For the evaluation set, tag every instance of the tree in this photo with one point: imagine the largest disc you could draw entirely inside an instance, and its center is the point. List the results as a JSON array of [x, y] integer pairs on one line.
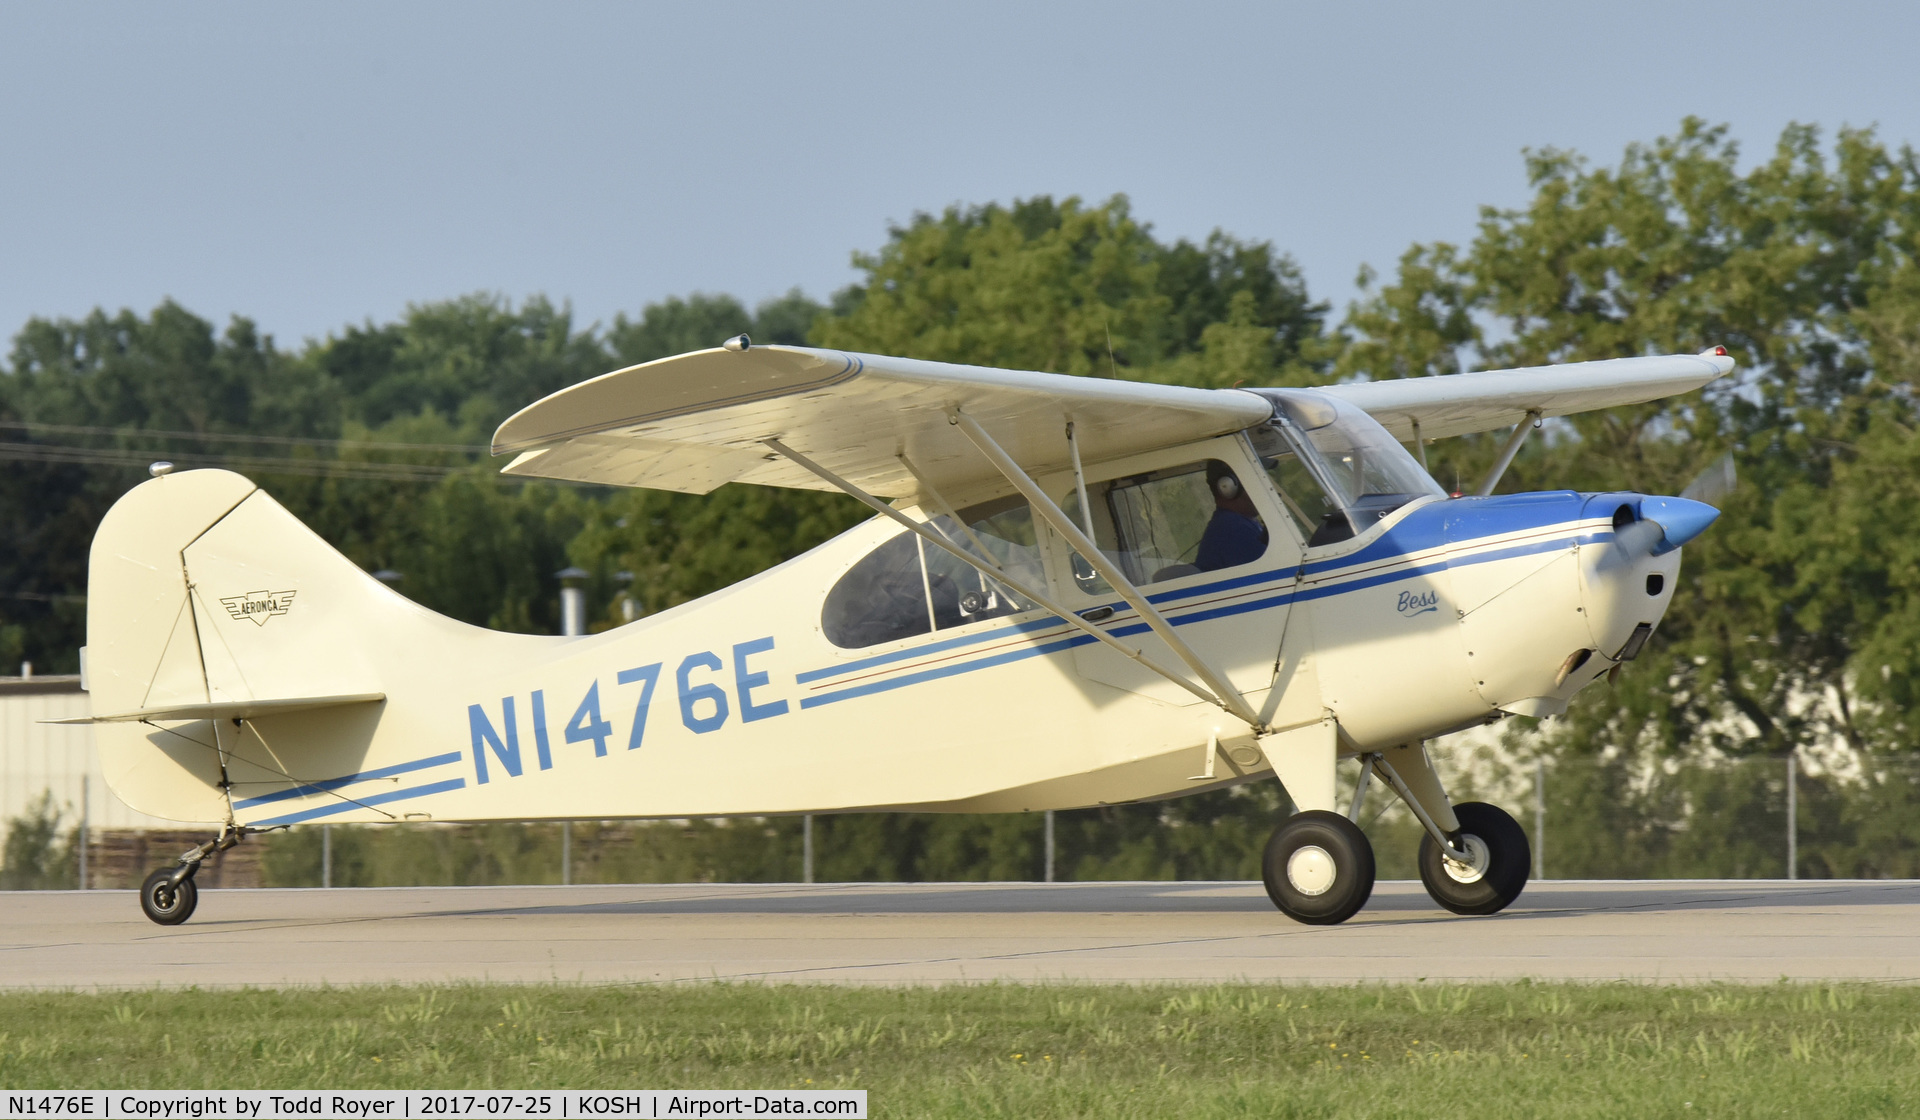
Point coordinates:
[[697, 322], [1796, 616], [473, 360], [112, 382], [1066, 288]]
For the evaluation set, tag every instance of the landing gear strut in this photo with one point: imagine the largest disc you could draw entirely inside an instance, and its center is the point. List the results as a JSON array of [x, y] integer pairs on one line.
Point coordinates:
[[168, 896]]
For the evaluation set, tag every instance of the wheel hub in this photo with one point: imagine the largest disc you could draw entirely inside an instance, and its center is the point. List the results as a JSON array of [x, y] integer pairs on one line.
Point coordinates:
[[1310, 870], [1474, 868]]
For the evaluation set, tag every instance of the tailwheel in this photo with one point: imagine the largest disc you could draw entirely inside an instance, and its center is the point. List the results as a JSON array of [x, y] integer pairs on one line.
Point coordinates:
[[167, 902], [1318, 868], [1495, 871]]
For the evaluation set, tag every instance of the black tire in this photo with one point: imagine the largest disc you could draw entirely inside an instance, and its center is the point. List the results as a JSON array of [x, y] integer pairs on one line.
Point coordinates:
[[165, 903], [1322, 888], [1487, 831]]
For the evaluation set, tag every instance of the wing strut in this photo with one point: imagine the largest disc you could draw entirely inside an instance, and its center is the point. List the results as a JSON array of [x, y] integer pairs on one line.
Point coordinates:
[[1507, 453], [940, 502], [1080, 481], [1224, 694], [991, 571]]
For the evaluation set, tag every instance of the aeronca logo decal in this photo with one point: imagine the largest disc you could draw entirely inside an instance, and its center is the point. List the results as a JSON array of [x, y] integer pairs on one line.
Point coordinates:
[[258, 606]]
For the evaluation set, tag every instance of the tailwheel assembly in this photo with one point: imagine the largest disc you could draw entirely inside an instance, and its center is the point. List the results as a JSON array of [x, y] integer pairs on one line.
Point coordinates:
[[1495, 870], [166, 900], [1318, 868], [168, 896]]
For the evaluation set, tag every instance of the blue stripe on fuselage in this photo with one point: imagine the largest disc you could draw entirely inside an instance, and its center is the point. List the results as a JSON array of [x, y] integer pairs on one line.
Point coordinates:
[[306, 788], [1422, 530], [363, 802]]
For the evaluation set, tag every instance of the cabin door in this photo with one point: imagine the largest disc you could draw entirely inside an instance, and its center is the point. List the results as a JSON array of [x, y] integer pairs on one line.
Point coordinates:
[[1202, 533]]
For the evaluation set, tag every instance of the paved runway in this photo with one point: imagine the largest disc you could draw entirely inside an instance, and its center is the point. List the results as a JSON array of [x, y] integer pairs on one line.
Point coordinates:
[[942, 933]]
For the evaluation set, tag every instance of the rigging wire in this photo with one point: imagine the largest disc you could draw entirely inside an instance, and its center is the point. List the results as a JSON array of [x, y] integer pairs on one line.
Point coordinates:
[[237, 437]]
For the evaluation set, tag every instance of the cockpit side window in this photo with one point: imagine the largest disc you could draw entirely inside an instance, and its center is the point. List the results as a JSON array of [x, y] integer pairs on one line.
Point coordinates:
[[908, 587], [1319, 518], [1164, 524], [1361, 470]]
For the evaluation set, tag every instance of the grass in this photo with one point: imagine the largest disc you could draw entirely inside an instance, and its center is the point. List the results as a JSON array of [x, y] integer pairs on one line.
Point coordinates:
[[1486, 1051]]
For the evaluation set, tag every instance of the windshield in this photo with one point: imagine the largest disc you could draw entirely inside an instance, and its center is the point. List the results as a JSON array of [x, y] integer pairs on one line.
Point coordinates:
[[1363, 469]]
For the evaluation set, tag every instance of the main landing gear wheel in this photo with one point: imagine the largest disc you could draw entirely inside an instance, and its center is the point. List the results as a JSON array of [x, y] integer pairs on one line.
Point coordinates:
[[1498, 861], [1318, 868], [166, 903]]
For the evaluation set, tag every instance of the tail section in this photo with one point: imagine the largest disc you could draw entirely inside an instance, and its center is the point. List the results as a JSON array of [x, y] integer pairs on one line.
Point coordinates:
[[234, 656]]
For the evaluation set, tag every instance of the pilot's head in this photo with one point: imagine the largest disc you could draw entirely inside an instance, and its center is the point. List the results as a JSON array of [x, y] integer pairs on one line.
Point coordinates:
[[1227, 491]]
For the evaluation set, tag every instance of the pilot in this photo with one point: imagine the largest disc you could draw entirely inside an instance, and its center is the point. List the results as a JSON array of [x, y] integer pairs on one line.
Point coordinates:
[[1235, 534]]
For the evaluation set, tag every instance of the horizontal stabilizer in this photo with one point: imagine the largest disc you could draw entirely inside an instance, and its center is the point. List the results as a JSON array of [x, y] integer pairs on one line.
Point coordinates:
[[229, 709]]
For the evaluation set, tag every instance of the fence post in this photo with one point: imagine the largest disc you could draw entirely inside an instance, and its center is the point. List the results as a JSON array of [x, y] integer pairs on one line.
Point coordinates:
[[1049, 869], [566, 853], [806, 848], [326, 855], [1539, 818], [86, 830], [1793, 816]]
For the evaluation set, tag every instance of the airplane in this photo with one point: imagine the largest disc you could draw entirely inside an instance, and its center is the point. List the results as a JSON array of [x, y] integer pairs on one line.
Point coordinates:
[[1075, 591]]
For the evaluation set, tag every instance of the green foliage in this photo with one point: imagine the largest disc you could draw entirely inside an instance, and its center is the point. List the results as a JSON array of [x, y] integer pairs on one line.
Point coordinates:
[[1066, 288], [169, 371], [37, 857], [675, 325], [700, 851], [1241, 1050], [1795, 621], [678, 547], [475, 359]]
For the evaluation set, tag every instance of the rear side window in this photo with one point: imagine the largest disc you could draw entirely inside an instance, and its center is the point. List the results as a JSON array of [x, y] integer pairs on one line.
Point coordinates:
[[908, 587], [881, 599]]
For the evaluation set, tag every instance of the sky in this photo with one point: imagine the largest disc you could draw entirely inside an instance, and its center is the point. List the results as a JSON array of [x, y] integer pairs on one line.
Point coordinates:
[[313, 166]]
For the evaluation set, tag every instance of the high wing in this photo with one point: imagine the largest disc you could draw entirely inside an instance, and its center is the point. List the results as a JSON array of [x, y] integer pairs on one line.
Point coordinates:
[[1458, 403], [698, 420]]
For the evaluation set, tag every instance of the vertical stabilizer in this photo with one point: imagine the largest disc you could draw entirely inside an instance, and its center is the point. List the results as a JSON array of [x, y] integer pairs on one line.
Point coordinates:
[[143, 649], [141, 641]]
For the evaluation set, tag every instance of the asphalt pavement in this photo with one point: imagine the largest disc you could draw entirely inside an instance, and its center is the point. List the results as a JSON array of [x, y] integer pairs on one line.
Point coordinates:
[[887, 933]]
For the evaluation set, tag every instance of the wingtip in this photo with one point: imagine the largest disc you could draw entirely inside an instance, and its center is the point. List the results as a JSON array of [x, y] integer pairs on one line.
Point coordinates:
[[1721, 359]]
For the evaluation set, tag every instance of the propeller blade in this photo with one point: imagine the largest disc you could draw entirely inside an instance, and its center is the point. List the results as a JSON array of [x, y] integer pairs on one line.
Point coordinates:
[[1664, 524], [1714, 483], [1637, 539]]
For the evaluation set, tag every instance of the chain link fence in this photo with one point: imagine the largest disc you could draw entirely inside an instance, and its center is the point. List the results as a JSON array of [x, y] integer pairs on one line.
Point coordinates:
[[1803, 816]]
